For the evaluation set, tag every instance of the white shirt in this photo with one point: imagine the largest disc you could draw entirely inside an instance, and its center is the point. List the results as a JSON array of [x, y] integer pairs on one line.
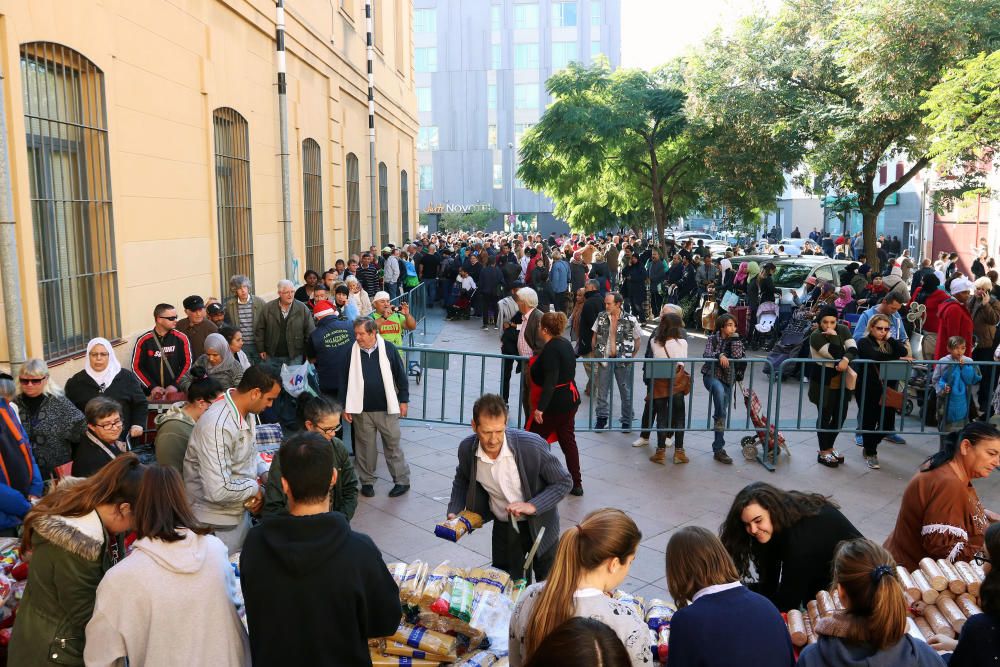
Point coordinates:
[[500, 478], [717, 588], [467, 283]]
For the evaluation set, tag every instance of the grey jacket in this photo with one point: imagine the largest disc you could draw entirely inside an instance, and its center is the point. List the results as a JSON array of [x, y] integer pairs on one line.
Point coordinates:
[[391, 270], [544, 479], [228, 373], [298, 325]]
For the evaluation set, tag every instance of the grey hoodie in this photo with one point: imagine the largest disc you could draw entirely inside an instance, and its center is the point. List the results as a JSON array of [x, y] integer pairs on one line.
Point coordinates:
[[173, 432], [837, 646]]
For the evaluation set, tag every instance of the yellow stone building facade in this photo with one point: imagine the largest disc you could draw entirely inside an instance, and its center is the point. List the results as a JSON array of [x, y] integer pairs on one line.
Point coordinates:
[[144, 152]]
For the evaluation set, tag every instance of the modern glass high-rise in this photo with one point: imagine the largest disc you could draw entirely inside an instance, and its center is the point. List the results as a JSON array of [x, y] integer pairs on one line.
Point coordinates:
[[481, 67]]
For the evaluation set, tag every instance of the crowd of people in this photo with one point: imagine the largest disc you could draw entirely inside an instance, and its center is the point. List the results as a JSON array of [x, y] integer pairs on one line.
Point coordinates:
[[124, 530]]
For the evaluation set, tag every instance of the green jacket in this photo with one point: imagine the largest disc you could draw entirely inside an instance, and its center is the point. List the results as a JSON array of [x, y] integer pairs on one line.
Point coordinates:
[[69, 558], [173, 430], [297, 325], [343, 498]]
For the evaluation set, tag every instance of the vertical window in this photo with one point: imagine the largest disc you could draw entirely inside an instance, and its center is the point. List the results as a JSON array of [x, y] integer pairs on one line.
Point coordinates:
[[497, 176], [232, 191], [353, 205], [562, 54], [426, 177], [67, 138], [883, 174], [424, 99], [312, 205], [526, 96], [427, 138], [526, 56], [595, 13], [424, 20], [595, 47], [496, 57], [564, 14], [491, 136], [404, 203], [491, 96], [383, 204], [525, 17], [496, 18], [899, 170], [425, 58]]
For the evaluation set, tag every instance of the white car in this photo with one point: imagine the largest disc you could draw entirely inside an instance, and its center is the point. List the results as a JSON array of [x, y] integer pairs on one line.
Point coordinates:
[[798, 243]]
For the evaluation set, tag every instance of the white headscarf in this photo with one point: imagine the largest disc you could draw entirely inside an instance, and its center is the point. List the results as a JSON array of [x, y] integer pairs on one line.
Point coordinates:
[[103, 378]]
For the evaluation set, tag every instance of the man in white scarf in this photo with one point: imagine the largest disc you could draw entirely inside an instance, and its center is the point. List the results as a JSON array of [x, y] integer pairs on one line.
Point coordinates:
[[377, 396]]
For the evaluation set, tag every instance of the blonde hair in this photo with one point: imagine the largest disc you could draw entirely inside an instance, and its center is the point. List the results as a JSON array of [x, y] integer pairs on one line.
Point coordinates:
[[878, 317], [38, 368]]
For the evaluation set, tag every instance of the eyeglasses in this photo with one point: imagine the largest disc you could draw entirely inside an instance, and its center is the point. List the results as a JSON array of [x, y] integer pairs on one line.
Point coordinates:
[[172, 318], [26, 381], [980, 559], [328, 432], [880, 328], [110, 426]]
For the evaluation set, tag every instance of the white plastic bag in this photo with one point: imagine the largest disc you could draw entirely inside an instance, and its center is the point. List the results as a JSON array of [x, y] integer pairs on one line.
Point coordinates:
[[294, 379]]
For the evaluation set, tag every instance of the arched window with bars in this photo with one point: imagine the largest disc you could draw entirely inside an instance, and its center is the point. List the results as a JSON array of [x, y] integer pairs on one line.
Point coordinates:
[[232, 192]]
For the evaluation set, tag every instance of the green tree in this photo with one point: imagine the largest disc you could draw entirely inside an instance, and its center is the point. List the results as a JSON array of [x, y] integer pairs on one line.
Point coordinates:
[[838, 84], [474, 220], [963, 110]]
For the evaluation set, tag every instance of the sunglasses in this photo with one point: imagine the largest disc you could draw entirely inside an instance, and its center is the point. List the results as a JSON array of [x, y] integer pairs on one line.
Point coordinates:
[[880, 328], [172, 318], [981, 559], [32, 380]]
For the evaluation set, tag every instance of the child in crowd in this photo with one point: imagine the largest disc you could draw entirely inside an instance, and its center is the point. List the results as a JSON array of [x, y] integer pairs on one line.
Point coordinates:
[[953, 382]]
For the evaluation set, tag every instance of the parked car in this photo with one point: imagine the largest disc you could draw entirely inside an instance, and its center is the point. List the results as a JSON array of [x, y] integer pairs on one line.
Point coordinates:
[[791, 274]]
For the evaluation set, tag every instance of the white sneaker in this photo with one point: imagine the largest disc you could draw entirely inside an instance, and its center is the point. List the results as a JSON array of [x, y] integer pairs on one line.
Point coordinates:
[[640, 442]]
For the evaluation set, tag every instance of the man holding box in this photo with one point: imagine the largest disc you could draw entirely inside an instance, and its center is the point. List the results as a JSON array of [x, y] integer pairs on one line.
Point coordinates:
[[509, 475]]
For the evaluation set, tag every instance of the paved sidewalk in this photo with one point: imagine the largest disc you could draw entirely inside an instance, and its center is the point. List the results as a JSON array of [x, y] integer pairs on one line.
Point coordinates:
[[659, 498]]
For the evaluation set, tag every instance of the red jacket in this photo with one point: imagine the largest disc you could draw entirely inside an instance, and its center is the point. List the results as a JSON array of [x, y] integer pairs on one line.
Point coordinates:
[[933, 302], [953, 320]]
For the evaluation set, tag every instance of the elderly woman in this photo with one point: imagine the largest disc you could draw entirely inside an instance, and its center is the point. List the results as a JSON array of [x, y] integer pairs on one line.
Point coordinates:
[[359, 297], [218, 361], [242, 311], [52, 423], [940, 515], [103, 375], [102, 442]]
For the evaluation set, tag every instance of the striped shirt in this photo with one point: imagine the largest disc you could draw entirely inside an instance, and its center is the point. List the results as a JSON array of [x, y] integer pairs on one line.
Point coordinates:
[[246, 320]]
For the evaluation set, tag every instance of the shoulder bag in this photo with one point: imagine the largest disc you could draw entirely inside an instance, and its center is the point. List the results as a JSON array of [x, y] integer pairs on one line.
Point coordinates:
[[681, 384]]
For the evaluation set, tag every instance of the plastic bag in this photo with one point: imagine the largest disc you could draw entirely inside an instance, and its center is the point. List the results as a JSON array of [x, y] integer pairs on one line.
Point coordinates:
[[492, 616], [294, 379]]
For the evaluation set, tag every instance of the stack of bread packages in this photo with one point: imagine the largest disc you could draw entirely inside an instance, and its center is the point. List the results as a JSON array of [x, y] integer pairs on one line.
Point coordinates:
[[451, 616], [941, 595]]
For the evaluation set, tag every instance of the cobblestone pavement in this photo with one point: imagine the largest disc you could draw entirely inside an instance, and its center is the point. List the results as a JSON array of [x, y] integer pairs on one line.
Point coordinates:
[[661, 498]]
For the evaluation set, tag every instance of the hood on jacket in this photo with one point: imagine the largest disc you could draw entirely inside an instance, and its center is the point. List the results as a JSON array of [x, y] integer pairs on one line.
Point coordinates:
[[304, 543], [185, 556], [842, 642], [80, 535], [174, 413]]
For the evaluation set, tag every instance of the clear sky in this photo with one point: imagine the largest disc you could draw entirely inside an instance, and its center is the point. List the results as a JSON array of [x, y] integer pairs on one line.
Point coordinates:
[[653, 31]]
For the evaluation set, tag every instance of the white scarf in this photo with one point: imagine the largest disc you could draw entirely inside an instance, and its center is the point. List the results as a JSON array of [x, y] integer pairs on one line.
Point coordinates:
[[102, 378], [356, 381]]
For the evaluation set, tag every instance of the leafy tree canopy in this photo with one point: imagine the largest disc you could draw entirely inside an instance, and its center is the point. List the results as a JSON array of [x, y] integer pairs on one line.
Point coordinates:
[[963, 110], [474, 220]]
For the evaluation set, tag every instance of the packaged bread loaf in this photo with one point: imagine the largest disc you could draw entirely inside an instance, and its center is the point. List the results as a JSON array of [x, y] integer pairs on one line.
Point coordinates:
[[397, 648], [824, 603], [927, 594], [968, 605], [935, 577], [939, 624], [812, 609], [907, 582], [437, 580], [924, 628], [477, 659], [398, 572], [797, 628], [913, 630], [955, 582], [454, 529], [952, 613], [409, 589], [379, 659], [969, 576], [489, 579], [425, 640]]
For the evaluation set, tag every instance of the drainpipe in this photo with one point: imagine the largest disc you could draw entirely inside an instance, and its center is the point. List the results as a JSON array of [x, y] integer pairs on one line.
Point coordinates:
[[10, 270], [369, 23], [286, 192]]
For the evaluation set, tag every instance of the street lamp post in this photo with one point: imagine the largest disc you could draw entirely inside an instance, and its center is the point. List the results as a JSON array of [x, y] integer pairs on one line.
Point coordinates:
[[510, 145]]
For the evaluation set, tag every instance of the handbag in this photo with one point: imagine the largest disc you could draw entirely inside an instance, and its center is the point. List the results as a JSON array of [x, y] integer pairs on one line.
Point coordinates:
[[681, 383], [729, 300], [892, 399]]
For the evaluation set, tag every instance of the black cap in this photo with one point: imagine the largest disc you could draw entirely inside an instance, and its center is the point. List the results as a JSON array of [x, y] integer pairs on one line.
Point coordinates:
[[194, 302], [214, 309]]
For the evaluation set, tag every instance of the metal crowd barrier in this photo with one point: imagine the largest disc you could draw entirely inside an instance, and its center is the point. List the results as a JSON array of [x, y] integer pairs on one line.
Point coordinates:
[[453, 380], [417, 298]]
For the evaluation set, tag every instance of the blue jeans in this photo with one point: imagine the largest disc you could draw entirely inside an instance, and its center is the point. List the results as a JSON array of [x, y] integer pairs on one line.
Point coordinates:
[[432, 285], [720, 393], [623, 378], [392, 289]]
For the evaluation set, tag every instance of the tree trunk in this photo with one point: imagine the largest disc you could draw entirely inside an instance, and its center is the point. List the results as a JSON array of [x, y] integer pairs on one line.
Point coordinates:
[[869, 221], [659, 215]]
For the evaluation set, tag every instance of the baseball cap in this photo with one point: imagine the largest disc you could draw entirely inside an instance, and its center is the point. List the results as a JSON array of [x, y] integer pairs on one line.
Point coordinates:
[[322, 309], [811, 280], [194, 302], [214, 308], [387, 249], [959, 285], [380, 296]]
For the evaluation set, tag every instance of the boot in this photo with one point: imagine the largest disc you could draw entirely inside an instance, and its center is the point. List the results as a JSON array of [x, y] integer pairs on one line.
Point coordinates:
[[660, 456]]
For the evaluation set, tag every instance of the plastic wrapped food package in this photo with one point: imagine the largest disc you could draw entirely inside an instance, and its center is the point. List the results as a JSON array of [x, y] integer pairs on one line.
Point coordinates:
[[437, 581], [659, 613], [634, 601], [478, 659], [396, 648], [454, 529], [491, 616], [382, 660], [398, 572], [409, 590], [462, 594], [425, 640], [489, 578]]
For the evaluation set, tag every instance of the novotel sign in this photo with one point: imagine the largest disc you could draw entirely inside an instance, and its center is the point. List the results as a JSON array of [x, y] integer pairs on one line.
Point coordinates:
[[456, 208]]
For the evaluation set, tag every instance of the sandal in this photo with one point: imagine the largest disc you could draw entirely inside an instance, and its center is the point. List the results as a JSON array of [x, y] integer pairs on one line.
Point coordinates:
[[840, 457], [829, 460]]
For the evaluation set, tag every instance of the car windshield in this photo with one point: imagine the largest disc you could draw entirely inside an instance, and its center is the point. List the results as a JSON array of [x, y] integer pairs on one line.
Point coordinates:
[[791, 275]]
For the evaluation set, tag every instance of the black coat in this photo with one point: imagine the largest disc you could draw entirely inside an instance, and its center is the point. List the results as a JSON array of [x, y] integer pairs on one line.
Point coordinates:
[[327, 577], [870, 387], [124, 388], [979, 643], [797, 561], [593, 305], [555, 366]]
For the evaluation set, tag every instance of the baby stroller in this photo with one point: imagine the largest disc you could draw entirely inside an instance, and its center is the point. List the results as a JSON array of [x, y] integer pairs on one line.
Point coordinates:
[[920, 394], [767, 435], [463, 304], [764, 331], [794, 342]]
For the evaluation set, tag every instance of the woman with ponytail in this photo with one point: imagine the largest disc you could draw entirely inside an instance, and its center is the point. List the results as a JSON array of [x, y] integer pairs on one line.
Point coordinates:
[[941, 515], [871, 630], [592, 559], [74, 536], [144, 612]]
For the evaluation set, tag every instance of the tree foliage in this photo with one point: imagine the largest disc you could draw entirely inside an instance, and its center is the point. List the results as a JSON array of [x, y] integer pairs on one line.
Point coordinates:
[[837, 83], [474, 220], [963, 110]]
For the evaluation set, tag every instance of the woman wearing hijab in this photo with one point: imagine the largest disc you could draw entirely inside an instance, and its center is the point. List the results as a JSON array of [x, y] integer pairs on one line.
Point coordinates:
[[845, 303], [220, 363], [740, 281], [103, 375], [726, 274]]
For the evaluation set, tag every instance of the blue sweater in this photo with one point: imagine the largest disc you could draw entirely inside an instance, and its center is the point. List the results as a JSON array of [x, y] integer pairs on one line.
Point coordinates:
[[732, 628]]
